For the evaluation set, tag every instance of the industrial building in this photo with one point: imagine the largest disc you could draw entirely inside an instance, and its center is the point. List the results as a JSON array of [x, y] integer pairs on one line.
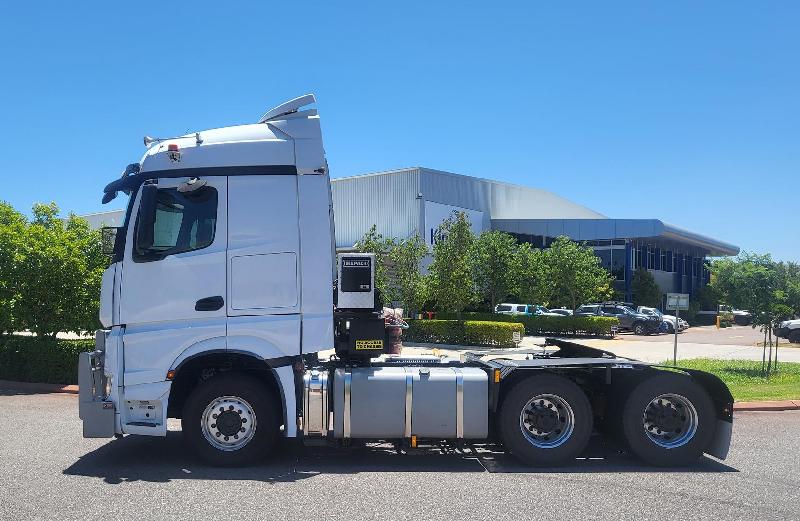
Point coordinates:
[[416, 200]]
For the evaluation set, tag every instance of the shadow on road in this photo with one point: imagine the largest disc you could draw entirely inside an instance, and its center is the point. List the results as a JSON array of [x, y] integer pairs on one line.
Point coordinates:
[[139, 458]]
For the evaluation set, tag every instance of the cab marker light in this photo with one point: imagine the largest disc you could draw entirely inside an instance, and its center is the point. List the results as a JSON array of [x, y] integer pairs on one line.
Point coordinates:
[[170, 374]]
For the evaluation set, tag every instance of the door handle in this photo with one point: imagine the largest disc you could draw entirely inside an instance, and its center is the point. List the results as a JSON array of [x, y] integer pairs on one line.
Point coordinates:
[[209, 304]]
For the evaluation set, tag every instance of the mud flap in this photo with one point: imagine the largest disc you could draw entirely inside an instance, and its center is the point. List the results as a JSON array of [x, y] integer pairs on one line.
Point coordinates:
[[721, 443]]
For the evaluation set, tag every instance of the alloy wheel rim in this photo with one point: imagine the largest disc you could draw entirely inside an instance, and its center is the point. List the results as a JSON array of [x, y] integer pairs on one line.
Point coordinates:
[[670, 420], [228, 423], [547, 421]]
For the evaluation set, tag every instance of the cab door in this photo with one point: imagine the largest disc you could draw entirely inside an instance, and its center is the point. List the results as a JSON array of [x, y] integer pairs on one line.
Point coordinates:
[[173, 289]]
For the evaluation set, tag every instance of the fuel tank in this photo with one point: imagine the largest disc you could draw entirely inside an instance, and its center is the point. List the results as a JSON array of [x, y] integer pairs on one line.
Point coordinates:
[[400, 402]]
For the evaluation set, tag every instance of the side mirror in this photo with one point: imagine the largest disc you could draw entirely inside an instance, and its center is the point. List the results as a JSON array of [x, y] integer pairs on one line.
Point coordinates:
[[108, 238], [147, 217]]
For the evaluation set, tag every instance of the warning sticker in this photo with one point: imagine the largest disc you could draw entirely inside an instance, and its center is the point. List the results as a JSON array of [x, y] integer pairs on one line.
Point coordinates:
[[369, 344]]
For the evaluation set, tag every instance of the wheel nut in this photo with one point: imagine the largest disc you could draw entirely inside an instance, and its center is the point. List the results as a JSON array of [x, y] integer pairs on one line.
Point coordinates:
[[241, 430]]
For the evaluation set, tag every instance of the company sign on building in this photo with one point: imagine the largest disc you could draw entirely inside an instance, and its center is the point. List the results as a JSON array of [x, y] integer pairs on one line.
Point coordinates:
[[437, 213]]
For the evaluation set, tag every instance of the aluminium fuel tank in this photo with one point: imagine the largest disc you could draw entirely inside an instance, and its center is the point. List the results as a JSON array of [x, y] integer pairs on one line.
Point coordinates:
[[398, 402]]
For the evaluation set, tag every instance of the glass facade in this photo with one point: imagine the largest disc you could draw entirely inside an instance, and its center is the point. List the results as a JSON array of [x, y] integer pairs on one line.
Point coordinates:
[[688, 265]]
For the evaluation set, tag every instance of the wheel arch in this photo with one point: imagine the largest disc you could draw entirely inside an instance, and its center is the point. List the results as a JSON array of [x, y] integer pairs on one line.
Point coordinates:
[[193, 369]]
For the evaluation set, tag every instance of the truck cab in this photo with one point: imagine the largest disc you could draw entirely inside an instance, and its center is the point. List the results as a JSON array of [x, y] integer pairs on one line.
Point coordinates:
[[224, 287]]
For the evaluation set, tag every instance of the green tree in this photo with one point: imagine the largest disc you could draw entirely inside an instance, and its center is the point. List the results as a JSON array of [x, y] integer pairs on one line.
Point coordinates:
[[409, 283], [57, 271], [576, 274], [493, 266], [533, 282], [754, 282], [645, 290], [450, 276], [12, 231], [374, 242]]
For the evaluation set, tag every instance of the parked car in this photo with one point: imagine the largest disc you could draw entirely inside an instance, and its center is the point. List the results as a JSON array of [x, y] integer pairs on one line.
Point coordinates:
[[790, 330], [524, 309], [669, 319], [562, 311], [740, 317], [512, 309], [629, 319], [541, 310]]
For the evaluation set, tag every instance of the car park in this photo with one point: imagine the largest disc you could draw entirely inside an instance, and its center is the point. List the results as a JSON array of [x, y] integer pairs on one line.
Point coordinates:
[[629, 319]]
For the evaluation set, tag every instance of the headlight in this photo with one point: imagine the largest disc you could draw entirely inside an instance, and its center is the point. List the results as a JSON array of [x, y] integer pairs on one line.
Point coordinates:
[[109, 384]]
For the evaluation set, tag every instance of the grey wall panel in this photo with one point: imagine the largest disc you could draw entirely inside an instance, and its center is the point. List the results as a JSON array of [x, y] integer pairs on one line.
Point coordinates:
[[388, 200], [499, 200]]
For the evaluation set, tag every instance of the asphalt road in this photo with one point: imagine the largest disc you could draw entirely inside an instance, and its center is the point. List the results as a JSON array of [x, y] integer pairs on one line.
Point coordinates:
[[734, 335], [47, 471]]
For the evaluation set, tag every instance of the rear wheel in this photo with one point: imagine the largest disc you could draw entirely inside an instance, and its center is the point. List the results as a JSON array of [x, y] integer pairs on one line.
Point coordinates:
[[639, 329], [230, 420], [545, 420], [668, 420]]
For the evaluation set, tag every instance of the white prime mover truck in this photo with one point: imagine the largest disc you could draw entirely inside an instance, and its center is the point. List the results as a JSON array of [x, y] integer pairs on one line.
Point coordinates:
[[224, 287]]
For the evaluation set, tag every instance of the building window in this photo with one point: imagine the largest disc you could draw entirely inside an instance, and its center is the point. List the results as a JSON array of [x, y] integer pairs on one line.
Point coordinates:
[[605, 257], [618, 263]]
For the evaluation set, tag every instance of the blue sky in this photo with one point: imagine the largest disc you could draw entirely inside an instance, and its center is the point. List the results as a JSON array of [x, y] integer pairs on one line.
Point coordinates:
[[684, 111]]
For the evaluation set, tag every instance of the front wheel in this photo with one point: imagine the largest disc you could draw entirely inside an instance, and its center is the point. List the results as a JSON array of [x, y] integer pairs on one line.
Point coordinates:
[[639, 329], [668, 420], [545, 420], [230, 420]]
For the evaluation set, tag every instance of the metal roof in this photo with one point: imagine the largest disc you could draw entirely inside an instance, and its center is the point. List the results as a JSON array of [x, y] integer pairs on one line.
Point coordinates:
[[604, 229]]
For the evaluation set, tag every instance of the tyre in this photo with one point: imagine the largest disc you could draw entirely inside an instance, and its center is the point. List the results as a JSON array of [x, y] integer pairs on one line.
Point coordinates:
[[230, 420], [639, 329], [545, 420], [670, 328], [668, 420]]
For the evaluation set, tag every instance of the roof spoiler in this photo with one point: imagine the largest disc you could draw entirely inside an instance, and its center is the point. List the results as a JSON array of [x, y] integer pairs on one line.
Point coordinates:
[[288, 107]]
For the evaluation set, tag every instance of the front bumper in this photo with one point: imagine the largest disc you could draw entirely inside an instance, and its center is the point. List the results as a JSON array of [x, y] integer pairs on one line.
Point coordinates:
[[96, 411]]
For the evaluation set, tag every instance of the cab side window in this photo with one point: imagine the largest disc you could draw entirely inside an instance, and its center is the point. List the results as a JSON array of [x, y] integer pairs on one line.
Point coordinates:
[[184, 222]]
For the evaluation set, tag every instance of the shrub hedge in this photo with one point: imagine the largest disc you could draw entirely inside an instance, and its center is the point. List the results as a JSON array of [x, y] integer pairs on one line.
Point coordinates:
[[35, 359], [547, 325], [459, 332]]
